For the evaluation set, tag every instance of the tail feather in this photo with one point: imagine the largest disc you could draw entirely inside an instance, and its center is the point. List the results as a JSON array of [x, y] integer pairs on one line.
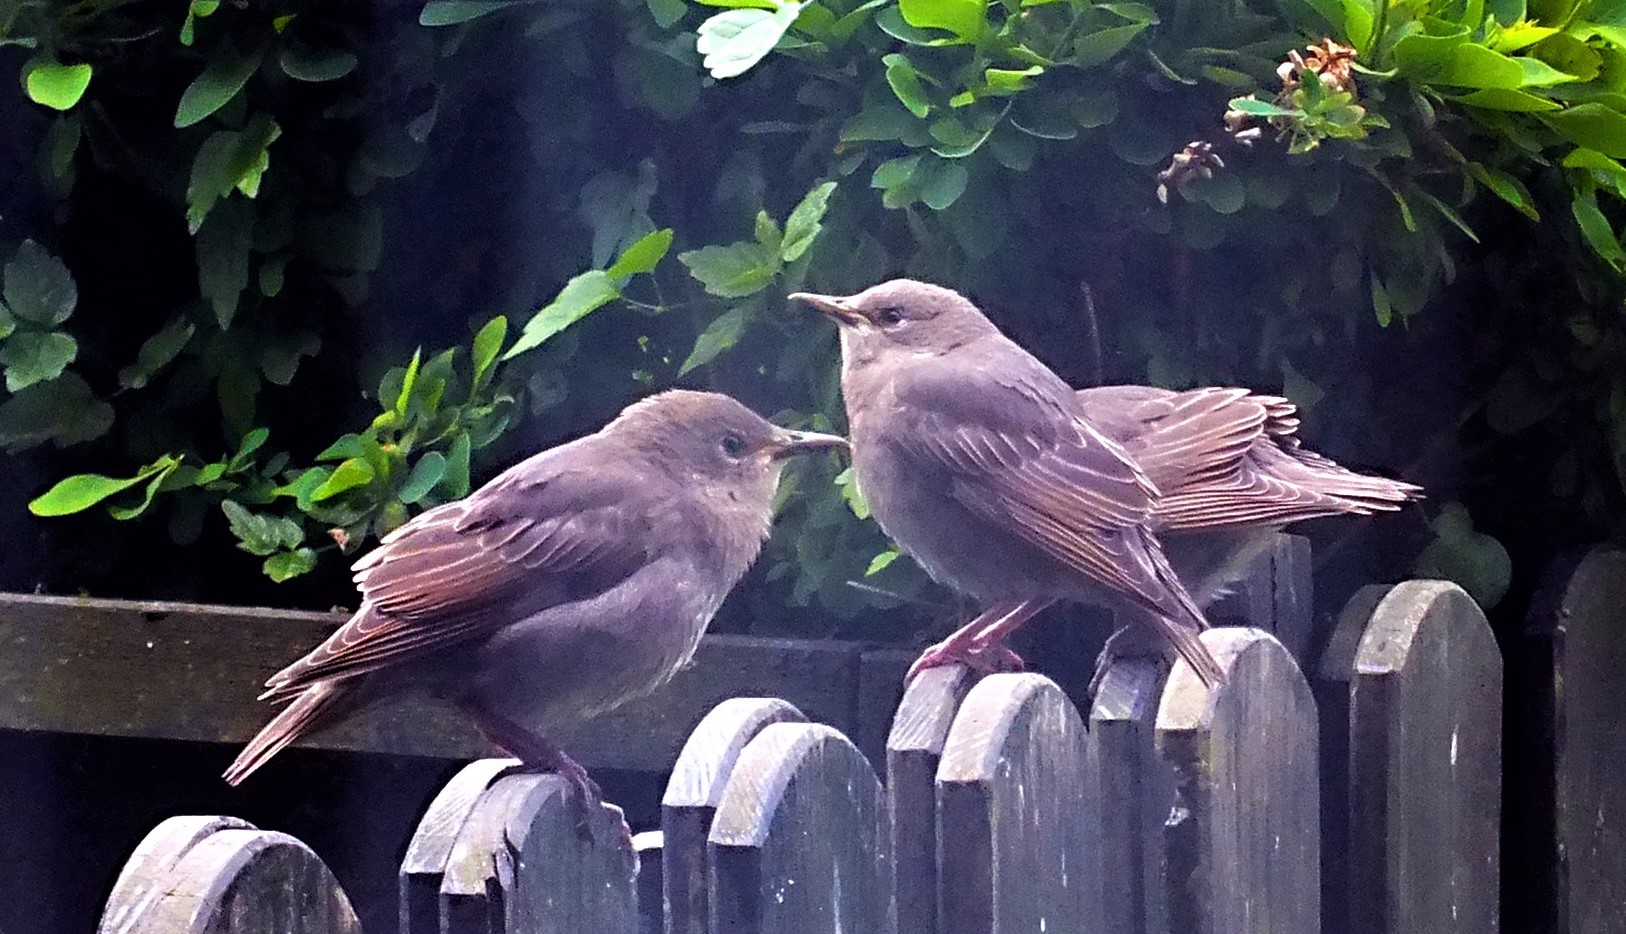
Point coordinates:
[[1183, 628], [1188, 642], [309, 711]]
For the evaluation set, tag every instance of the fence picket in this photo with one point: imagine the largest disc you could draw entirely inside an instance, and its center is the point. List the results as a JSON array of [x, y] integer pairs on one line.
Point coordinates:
[[798, 844], [1137, 791], [1243, 846]]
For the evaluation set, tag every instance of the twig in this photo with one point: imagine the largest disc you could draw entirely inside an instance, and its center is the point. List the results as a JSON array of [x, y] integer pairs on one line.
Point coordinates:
[[1097, 361]]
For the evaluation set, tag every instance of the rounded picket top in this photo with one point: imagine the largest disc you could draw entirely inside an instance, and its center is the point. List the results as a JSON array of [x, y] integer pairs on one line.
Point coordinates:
[[798, 843], [1018, 813], [692, 795], [651, 904], [519, 865], [1577, 617], [431, 845], [914, 748], [1242, 850], [220, 875], [1425, 764]]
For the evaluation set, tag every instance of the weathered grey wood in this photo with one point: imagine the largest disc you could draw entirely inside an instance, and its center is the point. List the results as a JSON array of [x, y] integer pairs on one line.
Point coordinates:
[[651, 905], [519, 867], [1018, 810], [431, 846], [692, 795], [798, 845], [1580, 615], [215, 875], [148, 872], [880, 689], [1242, 847], [1425, 766], [1276, 595], [1137, 793], [1331, 688], [919, 729], [192, 672]]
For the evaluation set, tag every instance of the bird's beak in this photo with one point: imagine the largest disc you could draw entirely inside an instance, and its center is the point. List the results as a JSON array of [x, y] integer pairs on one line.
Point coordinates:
[[787, 443], [836, 308]]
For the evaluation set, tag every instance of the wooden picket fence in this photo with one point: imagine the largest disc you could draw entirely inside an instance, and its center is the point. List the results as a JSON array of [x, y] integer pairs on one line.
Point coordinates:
[[1165, 808]]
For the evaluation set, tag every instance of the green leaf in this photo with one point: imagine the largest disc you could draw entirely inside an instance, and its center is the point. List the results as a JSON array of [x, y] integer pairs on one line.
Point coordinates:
[[906, 85], [453, 12], [963, 18], [1254, 107], [1507, 188], [1595, 227], [7, 322], [880, 562], [286, 565], [38, 287], [1475, 561], [222, 248], [256, 534], [426, 473], [768, 233], [252, 441], [943, 183], [154, 484], [350, 445], [733, 271], [1008, 80], [487, 345], [305, 63], [1509, 100], [643, 256], [82, 491], [1451, 215], [348, 475], [1382, 307], [36, 357], [409, 382], [581, 296], [229, 160], [217, 85], [1103, 45], [1594, 126], [456, 481], [56, 86], [63, 411], [666, 12], [848, 483], [732, 42], [805, 222], [718, 336]]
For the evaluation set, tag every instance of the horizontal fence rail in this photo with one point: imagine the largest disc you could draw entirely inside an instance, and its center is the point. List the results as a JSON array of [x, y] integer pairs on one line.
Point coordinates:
[[1164, 807]]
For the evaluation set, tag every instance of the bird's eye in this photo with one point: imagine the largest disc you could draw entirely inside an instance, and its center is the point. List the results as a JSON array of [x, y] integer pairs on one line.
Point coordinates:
[[733, 445], [890, 316]]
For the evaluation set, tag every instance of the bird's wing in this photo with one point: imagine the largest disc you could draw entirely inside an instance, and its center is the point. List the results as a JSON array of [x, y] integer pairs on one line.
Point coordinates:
[[460, 571], [1226, 457], [1018, 454]]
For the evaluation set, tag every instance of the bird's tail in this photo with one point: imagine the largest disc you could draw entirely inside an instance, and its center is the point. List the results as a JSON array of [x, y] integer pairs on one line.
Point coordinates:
[[1183, 629], [308, 711]]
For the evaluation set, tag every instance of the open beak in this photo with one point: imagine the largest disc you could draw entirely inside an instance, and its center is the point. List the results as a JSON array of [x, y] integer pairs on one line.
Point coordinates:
[[831, 306], [788, 443]]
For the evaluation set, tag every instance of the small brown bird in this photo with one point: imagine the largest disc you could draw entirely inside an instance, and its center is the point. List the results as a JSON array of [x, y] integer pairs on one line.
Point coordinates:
[[1006, 484], [574, 581]]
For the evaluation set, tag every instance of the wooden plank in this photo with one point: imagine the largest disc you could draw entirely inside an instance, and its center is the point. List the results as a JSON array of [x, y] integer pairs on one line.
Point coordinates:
[[147, 873], [798, 845], [692, 795], [431, 845], [651, 904], [880, 690], [190, 672], [1425, 766], [1019, 831], [222, 876], [913, 750], [1275, 594], [1137, 791], [1331, 688], [519, 867], [1579, 616], [1242, 847]]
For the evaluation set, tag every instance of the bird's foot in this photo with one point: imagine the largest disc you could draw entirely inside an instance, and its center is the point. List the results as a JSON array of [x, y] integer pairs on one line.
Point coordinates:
[[982, 657], [1128, 642], [586, 799]]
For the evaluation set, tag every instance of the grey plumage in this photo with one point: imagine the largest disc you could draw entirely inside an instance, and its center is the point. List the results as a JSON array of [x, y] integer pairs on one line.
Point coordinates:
[[575, 580], [1007, 485]]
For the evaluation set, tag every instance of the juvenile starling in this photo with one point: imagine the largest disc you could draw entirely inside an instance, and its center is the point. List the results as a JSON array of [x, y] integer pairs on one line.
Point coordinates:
[[574, 581], [1006, 484]]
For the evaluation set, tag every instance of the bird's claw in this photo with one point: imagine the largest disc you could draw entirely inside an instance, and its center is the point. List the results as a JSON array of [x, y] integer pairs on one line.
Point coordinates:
[[983, 658]]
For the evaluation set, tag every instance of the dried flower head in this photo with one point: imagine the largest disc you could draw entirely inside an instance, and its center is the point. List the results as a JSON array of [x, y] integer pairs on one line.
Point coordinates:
[[1197, 160]]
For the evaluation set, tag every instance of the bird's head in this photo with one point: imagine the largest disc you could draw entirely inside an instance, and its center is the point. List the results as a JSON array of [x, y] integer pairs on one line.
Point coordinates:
[[711, 440], [900, 315]]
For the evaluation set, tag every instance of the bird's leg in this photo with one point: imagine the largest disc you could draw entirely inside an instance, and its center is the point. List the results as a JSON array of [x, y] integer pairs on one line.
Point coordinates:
[[979, 644], [541, 754], [1134, 640]]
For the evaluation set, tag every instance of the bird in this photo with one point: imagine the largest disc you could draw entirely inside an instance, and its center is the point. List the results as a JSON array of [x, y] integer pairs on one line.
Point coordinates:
[[1005, 483], [572, 582]]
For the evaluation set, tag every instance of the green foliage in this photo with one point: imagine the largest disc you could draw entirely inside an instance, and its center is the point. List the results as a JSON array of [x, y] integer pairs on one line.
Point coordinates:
[[1252, 192]]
